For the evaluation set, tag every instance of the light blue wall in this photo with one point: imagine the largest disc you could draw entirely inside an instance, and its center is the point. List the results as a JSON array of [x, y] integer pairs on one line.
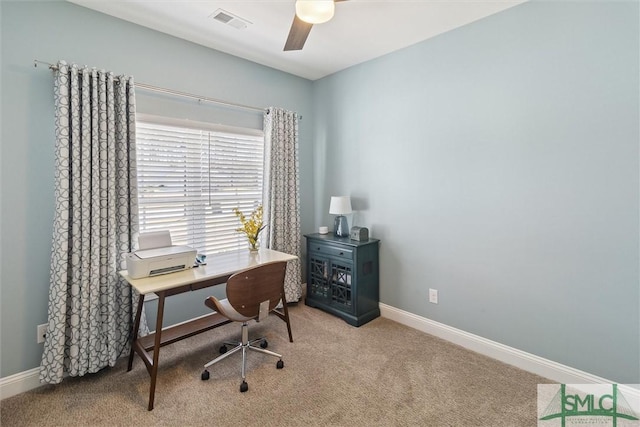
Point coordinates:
[[498, 163], [59, 30]]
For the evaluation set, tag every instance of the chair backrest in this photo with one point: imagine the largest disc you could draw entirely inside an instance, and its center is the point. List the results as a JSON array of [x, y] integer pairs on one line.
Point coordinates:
[[249, 288]]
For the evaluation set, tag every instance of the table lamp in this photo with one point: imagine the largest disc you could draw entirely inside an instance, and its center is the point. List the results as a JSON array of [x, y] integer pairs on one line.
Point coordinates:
[[341, 206]]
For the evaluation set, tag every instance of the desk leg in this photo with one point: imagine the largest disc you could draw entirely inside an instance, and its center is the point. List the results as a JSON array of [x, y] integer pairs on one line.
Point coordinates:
[[136, 327], [156, 349], [285, 310]]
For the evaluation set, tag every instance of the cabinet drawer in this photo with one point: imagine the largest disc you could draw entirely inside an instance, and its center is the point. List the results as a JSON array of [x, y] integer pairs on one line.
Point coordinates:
[[328, 250]]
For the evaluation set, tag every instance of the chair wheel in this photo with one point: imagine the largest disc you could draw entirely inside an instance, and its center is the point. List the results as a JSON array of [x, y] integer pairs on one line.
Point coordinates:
[[223, 349], [280, 364], [244, 387], [205, 375], [264, 344]]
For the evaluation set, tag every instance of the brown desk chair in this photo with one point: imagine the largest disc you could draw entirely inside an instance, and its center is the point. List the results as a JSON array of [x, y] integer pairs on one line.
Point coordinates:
[[251, 295]]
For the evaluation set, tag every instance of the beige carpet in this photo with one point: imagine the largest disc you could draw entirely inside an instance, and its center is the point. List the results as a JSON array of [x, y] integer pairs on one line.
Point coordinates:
[[381, 374]]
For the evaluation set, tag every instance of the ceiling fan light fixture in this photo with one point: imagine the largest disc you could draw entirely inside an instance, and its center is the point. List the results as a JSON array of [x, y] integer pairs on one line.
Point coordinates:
[[315, 11]]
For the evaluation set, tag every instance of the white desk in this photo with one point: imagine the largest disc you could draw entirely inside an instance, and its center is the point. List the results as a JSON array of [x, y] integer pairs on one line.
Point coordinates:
[[217, 271]]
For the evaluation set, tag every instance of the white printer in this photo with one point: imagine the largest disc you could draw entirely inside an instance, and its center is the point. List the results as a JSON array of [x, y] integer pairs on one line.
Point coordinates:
[[158, 256]]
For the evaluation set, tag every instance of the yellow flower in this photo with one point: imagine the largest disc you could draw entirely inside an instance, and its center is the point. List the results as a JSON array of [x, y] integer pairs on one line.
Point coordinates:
[[252, 226]]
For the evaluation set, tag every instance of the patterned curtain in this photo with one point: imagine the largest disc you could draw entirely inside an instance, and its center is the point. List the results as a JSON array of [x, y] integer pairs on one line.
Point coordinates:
[[282, 194], [91, 308]]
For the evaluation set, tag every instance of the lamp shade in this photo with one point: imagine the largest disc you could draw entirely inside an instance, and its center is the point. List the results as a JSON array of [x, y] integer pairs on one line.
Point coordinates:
[[340, 205], [315, 11]]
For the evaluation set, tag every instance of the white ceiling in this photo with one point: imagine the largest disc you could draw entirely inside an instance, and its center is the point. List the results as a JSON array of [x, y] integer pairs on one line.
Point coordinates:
[[360, 30]]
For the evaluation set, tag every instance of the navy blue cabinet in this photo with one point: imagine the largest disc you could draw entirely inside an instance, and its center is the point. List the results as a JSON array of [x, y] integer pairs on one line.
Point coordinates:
[[343, 277]]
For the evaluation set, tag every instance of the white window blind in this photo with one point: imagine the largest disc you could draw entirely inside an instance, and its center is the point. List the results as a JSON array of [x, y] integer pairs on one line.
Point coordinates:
[[191, 177]]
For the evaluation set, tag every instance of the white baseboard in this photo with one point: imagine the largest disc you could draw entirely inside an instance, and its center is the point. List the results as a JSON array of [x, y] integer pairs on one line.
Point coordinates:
[[562, 374], [19, 383], [554, 371]]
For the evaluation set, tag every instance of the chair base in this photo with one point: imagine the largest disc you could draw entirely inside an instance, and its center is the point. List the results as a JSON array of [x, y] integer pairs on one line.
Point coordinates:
[[245, 345]]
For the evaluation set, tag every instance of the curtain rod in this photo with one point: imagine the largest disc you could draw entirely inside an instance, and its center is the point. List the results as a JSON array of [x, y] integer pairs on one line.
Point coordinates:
[[171, 92]]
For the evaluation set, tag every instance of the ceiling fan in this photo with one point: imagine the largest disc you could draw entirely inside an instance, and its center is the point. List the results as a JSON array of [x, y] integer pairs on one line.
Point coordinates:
[[308, 12]]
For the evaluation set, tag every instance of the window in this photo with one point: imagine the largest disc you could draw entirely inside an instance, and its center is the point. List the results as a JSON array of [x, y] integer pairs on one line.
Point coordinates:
[[192, 175]]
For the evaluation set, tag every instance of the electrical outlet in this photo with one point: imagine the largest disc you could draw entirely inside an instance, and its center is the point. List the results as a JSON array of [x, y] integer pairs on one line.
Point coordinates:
[[433, 296], [41, 332]]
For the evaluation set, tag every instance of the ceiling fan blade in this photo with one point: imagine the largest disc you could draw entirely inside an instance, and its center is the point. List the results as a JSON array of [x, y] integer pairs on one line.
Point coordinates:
[[298, 34]]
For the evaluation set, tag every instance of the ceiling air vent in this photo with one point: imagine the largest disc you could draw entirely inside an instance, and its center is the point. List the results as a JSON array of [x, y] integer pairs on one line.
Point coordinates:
[[229, 19]]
